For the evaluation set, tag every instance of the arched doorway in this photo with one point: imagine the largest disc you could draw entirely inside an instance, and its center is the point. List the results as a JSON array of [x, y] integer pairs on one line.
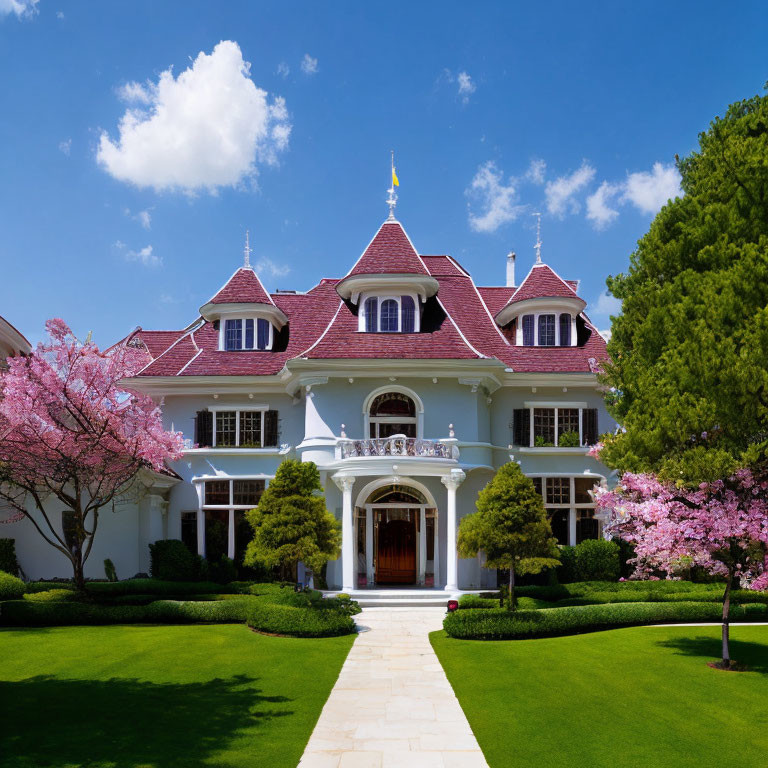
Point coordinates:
[[402, 535]]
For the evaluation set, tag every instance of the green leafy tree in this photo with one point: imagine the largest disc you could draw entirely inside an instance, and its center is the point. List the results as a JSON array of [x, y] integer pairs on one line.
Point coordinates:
[[291, 524], [510, 527], [688, 367]]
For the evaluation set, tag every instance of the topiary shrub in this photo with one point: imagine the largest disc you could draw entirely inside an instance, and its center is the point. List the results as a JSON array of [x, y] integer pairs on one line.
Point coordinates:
[[109, 570], [171, 560], [566, 571], [597, 560], [298, 621], [11, 587], [8, 561]]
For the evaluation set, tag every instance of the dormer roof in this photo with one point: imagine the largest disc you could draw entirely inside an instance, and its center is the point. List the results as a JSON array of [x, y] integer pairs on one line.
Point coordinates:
[[244, 287]]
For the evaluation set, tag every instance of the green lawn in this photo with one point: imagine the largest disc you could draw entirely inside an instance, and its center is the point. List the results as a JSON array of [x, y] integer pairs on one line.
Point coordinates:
[[641, 696], [160, 696]]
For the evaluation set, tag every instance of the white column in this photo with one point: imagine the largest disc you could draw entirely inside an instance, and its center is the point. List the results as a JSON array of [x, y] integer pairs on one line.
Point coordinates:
[[231, 535], [200, 532], [369, 545], [347, 533], [572, 527], [422, 546], [451, 482], [436, 553]]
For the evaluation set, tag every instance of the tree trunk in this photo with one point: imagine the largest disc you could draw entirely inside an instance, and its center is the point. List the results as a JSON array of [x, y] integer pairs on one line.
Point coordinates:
[[79, 570], [512, 598], [726, 620]]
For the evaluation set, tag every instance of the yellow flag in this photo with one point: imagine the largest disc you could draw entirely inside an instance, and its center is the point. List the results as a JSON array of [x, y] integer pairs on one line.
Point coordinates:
[[395, 180]]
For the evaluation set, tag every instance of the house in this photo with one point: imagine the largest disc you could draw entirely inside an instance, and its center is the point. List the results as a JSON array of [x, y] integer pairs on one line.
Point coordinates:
[[407, 385], [12, 342]]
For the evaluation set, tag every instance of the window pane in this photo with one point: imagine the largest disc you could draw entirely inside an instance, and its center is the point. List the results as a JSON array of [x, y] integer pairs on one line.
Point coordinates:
[[249, 334], [225, 427], [543, 427], [216, 534], [393, 404], [558, 519], [583, 485], [546, 330], [233, 334], [558, 490], [189, 530], [387, 429], [430, 538], [217, 492], [537, 484], [250, 429], [586, 525], [409, 314], [389, 316], [568, 427], [527, 330], [371, 309], [262, 341], [247, 492], [565, 330]]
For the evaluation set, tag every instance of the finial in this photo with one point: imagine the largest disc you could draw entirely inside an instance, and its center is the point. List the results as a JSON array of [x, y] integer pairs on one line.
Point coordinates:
[[392, 199], [247, 252], [538, 237]]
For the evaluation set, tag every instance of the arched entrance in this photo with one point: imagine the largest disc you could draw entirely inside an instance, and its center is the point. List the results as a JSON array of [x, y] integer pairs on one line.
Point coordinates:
[[402, 539]]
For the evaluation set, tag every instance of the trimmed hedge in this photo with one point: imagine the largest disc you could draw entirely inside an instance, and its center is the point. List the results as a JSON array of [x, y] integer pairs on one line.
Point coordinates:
[[597, 559], [11, 587], [52, 596], [475, 601], [298, 621], [500, 624], [171, 560], [8, 561]]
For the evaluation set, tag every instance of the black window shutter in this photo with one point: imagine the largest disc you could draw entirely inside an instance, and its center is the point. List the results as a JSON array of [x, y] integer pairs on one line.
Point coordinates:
[[589, 426], [204, 429], [522, 426], [270, 429]]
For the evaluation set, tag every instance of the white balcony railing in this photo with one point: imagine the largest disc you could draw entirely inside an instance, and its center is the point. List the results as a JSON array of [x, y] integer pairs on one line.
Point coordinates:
[[399, 445]]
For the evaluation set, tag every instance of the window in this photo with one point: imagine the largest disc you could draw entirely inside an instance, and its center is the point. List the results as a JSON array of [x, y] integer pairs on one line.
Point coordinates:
[[189, 530], [240, 334], [392, 413], [247, 428], [389, 314], [546, 330], [527, 330], [553, 426], [565, 330], [569, 506], [217, 493]]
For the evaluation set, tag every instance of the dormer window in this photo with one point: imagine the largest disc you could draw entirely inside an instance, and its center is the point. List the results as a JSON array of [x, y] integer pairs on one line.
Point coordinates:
[[389, 314], [546, 329], [246, 333]]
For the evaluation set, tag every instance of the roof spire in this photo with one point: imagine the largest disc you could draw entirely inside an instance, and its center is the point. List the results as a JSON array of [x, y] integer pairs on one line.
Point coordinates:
[[392, 199], [538, 237], [247, 252]]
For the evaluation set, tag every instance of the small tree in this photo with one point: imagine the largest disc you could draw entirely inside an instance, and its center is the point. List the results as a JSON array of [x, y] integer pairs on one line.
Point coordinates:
[[291, 524], [68, 431], [722, 527], [510, 527]]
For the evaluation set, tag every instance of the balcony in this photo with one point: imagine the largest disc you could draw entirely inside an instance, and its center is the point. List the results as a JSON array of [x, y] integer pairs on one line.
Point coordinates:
[[398, 446]]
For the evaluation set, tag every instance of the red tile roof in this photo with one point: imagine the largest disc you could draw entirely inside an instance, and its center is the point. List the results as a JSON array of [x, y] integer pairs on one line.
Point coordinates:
[[243, 287], [320, 326], [390, 252]]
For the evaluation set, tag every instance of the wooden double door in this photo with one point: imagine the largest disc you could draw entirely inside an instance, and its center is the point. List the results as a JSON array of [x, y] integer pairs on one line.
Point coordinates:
[[396, 541]]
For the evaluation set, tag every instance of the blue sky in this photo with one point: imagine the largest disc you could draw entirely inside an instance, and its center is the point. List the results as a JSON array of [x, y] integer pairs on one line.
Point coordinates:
[[131, 166]]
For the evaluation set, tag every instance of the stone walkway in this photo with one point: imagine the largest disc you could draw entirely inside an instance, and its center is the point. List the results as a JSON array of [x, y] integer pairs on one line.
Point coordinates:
[[392, 706]]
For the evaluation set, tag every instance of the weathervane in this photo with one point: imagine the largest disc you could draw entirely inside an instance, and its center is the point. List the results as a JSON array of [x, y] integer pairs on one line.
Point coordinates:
[[392, 199], [247, 252], [538, 237]]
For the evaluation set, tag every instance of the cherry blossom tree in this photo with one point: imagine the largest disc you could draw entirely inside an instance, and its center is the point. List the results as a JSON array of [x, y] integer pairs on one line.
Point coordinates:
[[70, 432], [720, 526]]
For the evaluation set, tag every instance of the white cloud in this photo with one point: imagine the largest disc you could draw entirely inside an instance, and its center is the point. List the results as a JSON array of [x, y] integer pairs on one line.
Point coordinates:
[[606, 334], [536, 171], [308, 65], [560, 193], [22, 9], [166, 298], [136, 93], [599, 211], [65, 146], [59, 14], [283, 69], [605, 306], [119, 244], [496, 200], [650, 191], [144, 218], [207, 128], [466, 86], [145, 256], [267, 266]]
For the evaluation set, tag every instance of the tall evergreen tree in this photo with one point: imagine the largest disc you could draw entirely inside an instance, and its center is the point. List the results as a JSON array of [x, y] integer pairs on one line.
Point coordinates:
[[688, 371]]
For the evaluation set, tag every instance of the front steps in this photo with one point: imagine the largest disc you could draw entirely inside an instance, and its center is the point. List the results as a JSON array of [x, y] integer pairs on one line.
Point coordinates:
[[404, 597]]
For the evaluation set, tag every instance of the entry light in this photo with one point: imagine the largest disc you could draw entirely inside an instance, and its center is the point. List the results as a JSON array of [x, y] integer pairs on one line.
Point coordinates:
[[453, 605]]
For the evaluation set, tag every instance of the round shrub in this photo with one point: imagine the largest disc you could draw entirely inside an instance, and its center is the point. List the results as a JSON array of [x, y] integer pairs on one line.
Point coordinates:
[[566, 571], [597, 559], [298, 621], [8, 561], [11, 587], [171, 560]]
